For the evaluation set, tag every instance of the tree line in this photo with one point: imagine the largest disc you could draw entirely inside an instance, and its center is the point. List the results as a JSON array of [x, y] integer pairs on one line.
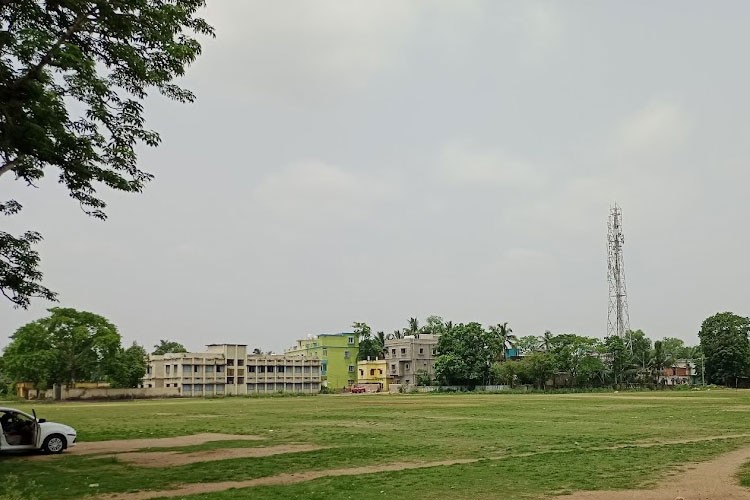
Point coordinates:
[[470, 354], [70, 346]]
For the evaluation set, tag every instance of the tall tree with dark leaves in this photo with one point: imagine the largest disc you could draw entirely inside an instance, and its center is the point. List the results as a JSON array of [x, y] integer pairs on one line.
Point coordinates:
[[129, 367], [65, 347], [724, 342], [74, 75], [465, 355]]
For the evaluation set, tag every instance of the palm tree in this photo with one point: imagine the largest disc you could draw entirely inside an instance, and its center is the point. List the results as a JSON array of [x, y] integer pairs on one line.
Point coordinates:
[[659, 360], [395, 335], [380, 343], [413, 327], [505, 338], [545, 341]]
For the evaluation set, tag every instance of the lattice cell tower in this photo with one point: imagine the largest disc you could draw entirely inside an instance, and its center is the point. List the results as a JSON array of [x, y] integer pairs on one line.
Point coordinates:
[[618, 319]]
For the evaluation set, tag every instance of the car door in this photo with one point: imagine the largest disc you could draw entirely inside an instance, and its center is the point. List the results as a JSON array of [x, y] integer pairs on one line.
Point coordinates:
[[38, 438]]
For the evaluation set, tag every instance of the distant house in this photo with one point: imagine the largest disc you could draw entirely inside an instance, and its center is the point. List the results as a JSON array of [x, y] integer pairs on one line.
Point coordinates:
[[338, 354], [373, 374], [411, 357], [682, 371]]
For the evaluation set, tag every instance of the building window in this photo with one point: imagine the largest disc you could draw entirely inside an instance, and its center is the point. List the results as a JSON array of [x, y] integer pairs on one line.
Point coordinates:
[[351, 340], [250, 369], [393, 368], [167, 370], [351, 368], [195, 369], [230, 362], [269, 369], [421, 350], [347, 354], [403, 351], [433, 352], [261, 369], [372, 371], [230, 380], [407, 366], [325, 352], [361, 372], [380, 372], [393, 352], [219, 369], [240, 362], [281, 369]]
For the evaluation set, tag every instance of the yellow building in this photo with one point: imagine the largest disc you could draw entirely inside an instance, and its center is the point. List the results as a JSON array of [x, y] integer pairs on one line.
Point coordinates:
[[373, 371]]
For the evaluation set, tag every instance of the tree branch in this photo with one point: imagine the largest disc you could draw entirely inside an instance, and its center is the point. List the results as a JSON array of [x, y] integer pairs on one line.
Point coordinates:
[[33, 72], [10, 165]]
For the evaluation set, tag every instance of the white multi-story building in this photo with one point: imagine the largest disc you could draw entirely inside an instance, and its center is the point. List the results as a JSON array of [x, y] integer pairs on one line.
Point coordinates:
[[226, 369]]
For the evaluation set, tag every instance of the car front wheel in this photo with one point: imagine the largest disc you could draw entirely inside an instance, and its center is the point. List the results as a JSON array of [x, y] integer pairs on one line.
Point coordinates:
[[54, 444]]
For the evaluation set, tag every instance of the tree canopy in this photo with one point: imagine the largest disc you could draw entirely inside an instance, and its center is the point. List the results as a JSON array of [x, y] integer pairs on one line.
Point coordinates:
[[167, 346], [70, 346], [469, 354], [724, 342], [465, 354], [73, 78]]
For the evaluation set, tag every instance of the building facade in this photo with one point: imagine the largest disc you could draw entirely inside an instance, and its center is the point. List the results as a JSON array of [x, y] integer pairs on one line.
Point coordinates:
[[227, 369], [410, 358], [337, 353], [681, 371], [373, 372]]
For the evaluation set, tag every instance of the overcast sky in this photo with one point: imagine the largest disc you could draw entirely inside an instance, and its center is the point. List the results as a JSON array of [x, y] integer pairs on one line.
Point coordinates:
[[376, 160]]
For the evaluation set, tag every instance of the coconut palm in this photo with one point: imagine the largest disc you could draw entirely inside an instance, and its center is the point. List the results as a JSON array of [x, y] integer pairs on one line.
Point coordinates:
[[397, 334], [413, 327], [505, 338], [379, 340], [545, 341], [659, 360]]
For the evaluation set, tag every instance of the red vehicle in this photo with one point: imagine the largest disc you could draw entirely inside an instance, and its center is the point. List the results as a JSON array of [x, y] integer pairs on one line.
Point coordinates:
[[358, 389]]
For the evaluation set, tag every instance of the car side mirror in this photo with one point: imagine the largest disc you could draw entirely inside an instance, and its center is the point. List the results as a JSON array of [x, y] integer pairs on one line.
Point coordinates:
[[42, 420]]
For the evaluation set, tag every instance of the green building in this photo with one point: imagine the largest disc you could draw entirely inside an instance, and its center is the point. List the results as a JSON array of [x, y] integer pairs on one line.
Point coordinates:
[[338, 357]]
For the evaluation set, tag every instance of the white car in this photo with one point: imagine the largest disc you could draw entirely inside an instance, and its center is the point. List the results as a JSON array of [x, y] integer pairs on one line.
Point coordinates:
[[21, 431]]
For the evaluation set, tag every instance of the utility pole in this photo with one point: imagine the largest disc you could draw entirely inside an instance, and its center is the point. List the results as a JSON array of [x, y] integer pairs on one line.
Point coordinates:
[[618, 318]]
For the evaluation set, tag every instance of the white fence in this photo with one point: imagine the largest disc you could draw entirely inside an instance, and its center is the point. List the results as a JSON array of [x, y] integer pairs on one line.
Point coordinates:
[[394, 388]]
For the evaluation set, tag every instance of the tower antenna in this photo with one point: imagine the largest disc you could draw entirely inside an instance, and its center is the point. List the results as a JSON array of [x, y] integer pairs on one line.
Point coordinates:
[[618, 318]]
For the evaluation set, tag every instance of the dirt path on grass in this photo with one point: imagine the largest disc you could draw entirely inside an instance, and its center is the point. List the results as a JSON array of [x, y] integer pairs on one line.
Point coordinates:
[[173, 458], [691, 484], [126, 445], [280, 479], [714, 480]]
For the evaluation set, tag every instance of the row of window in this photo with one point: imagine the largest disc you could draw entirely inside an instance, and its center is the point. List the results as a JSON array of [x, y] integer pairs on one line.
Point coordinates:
[[208, 369], [251, 387], [403, 351], [199, 387], [372, 372]]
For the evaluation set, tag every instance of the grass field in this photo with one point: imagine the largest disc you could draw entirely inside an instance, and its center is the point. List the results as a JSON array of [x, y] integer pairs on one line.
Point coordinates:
[[513, 446]]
